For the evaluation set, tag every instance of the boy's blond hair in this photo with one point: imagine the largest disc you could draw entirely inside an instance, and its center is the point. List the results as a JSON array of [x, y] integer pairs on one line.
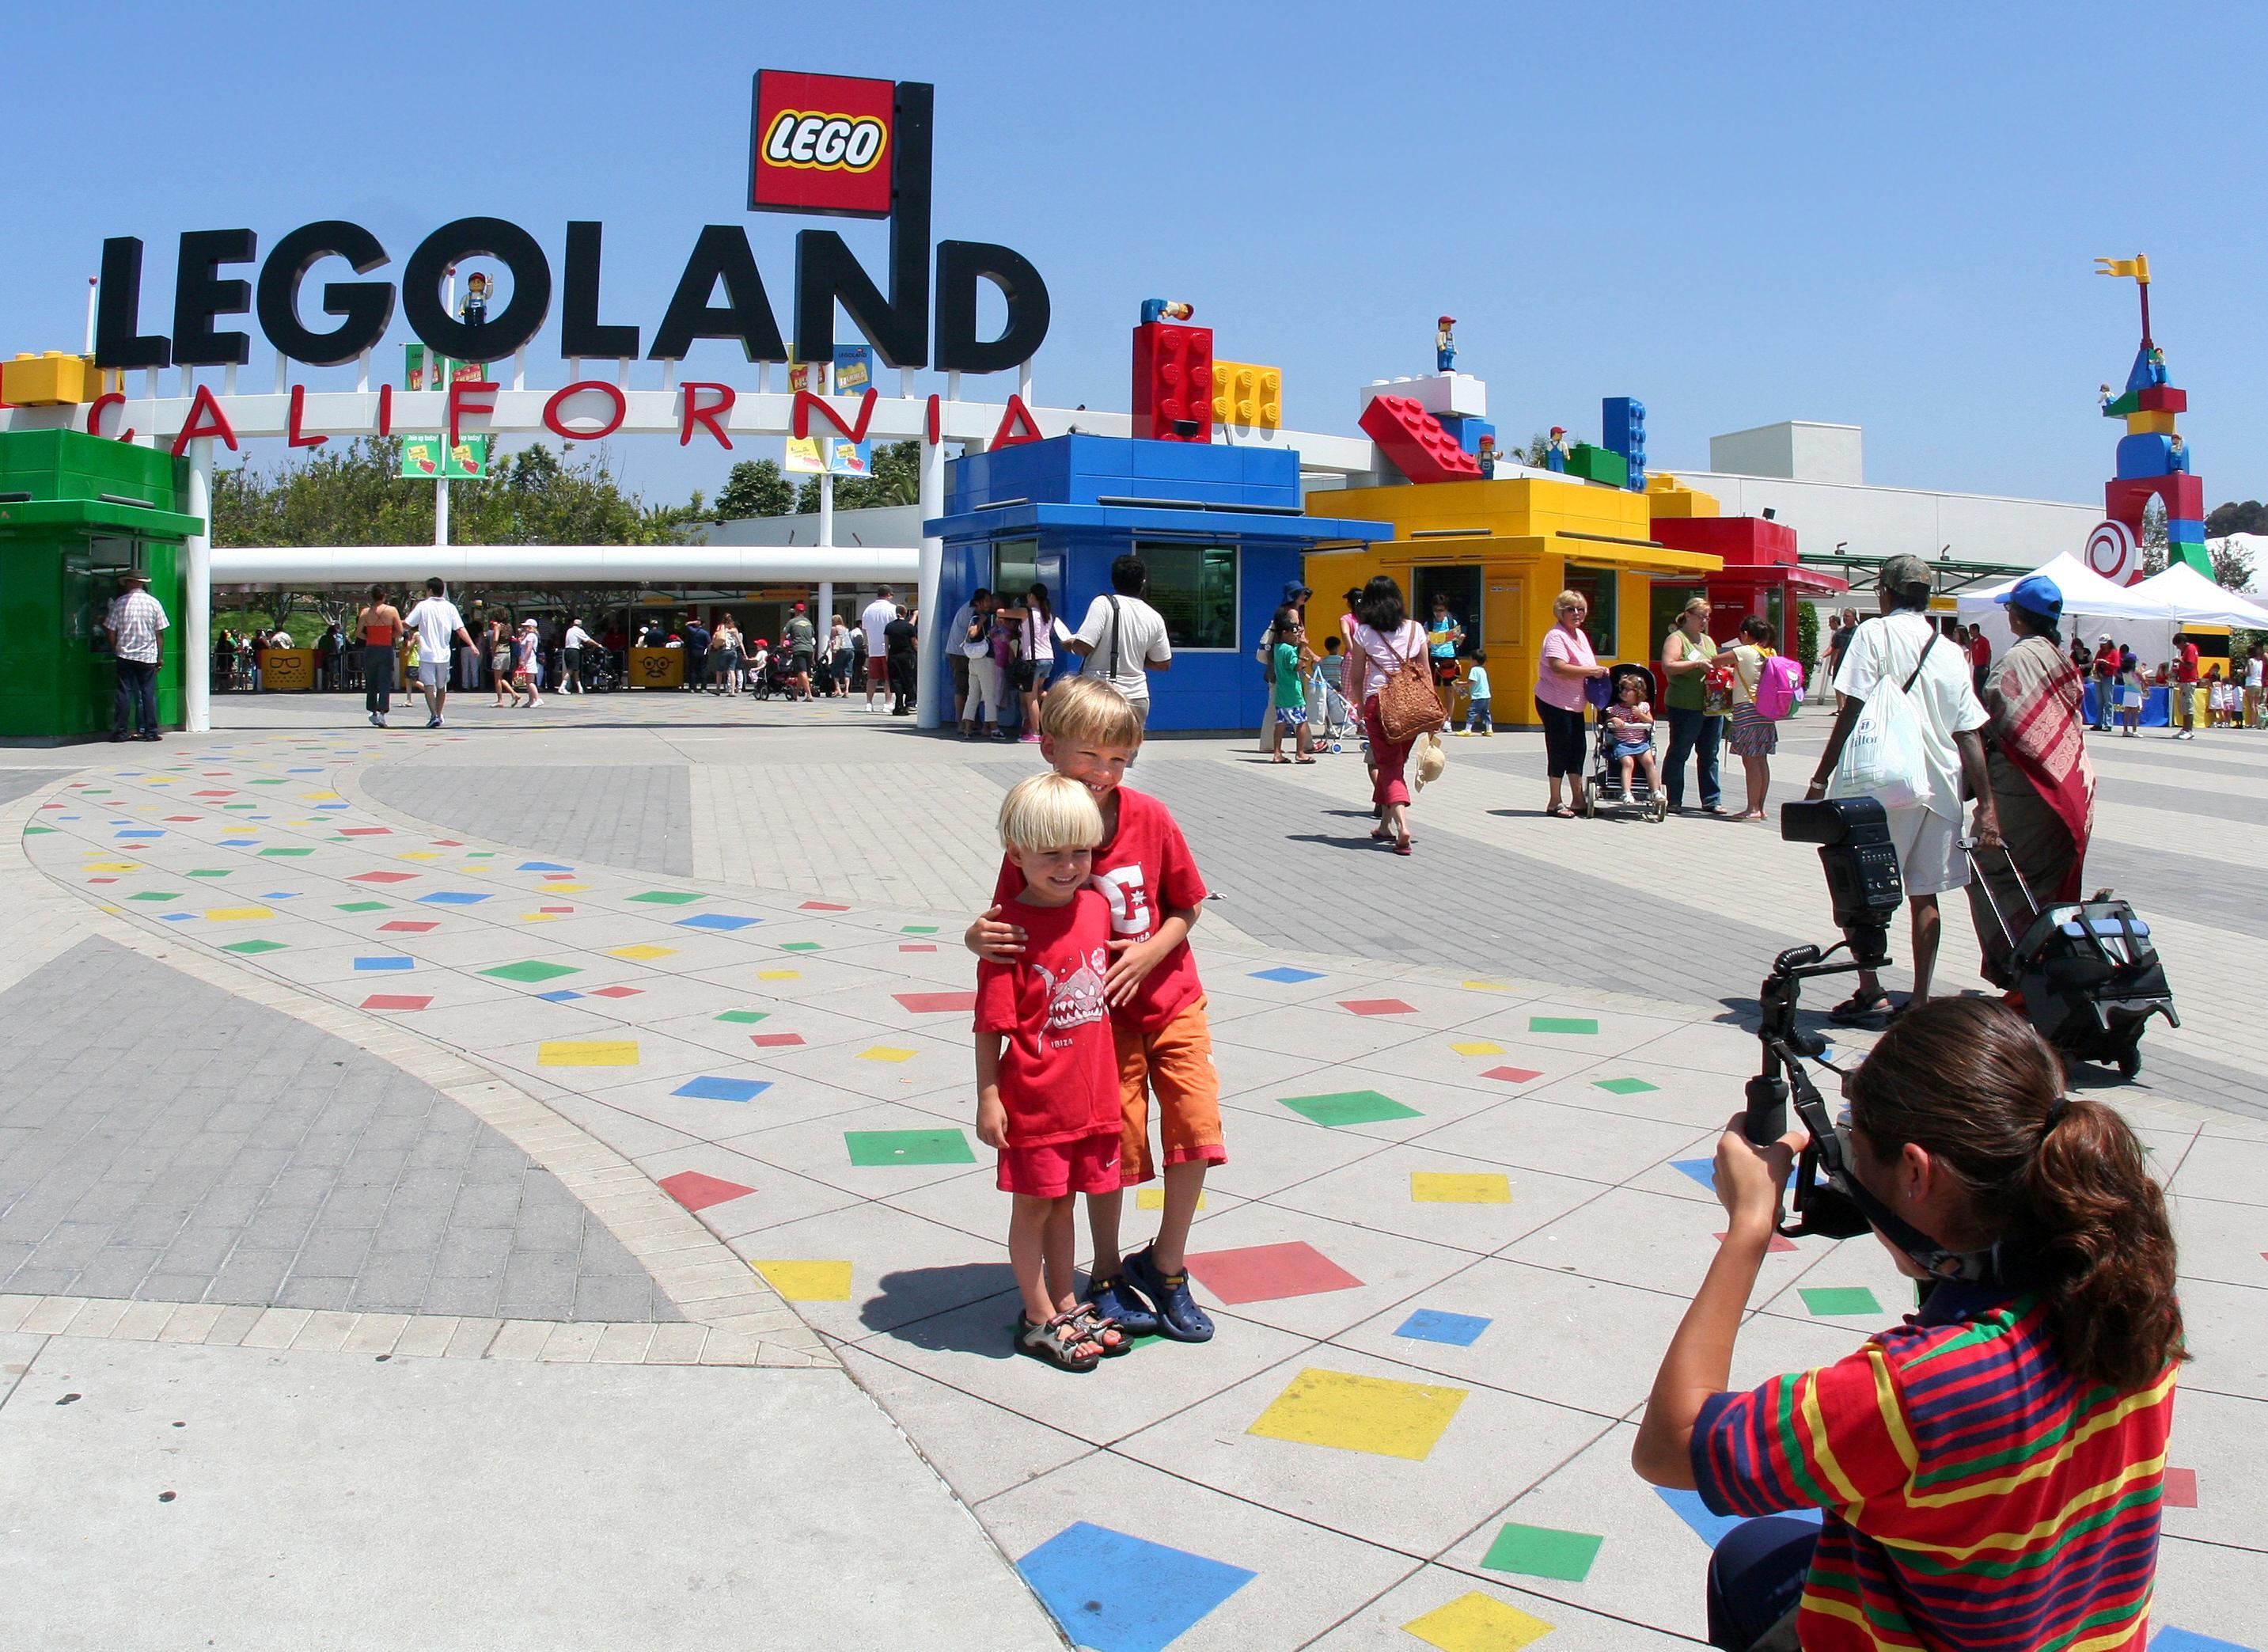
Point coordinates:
[[1049, 812], [1091, 710]]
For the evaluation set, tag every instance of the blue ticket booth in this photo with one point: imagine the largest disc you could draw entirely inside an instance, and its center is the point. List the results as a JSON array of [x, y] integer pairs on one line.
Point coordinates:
[[1222, 530]]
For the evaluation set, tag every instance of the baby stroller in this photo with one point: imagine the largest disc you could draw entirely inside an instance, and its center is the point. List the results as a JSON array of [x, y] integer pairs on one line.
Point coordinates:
[[1603, 788]]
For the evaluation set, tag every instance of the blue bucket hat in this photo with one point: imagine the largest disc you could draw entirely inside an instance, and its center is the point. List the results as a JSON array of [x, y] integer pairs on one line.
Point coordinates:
[[2035, 594]]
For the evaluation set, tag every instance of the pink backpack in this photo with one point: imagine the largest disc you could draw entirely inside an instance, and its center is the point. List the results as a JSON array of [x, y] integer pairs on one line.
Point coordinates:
[[1779, 686]]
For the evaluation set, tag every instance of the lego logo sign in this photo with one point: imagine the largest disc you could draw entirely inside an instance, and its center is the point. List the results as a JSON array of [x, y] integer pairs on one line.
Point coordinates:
[[821, 143]]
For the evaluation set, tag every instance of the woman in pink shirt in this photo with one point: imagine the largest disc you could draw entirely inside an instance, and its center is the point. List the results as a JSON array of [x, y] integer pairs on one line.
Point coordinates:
[[1387, 640], [1562, 669]]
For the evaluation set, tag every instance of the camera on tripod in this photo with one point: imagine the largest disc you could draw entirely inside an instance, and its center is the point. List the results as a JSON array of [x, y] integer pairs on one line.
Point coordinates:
[[1861, 863]]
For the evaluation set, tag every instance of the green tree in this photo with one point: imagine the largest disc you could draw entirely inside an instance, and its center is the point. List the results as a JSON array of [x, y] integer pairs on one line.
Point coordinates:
[[1807, 638], [2252, 517], [2232, 565], [755, 487]]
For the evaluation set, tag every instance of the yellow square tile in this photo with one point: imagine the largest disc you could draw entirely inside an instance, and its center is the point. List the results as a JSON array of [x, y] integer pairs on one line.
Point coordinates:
[[779, 975], [108, 865], [884, 1052], [1155, 1199], [563, 888], [1479, 1047], [641, 952], [1477, 1623], [417, 854], [1486, 986], [807, 1282], [1460, 1187], [237, 914], [537, 917], [606, 1052], [1361, 1413], [320, 797]]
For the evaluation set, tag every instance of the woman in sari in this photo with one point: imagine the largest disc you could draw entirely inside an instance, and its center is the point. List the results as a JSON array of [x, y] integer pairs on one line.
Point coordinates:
[[2042, 784]]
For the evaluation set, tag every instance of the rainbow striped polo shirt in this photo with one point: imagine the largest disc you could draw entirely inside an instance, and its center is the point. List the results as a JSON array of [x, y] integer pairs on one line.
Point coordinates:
[[1976, 1496]]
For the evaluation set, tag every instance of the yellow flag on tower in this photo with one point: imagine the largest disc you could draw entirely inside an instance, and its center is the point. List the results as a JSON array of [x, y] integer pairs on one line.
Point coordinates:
[[2137, 267]]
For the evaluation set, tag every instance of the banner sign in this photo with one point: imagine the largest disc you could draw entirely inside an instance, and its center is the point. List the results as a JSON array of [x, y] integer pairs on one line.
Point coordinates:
[[854, 369], [843, 457], [428, 458]]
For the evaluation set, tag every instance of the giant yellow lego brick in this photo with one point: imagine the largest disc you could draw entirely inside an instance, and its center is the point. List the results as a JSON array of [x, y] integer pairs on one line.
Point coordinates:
[[1247, 394], [1361, 1413], [2149, 423], [807, 1282], [1665, 497], [1476, 1622], [53, 380]]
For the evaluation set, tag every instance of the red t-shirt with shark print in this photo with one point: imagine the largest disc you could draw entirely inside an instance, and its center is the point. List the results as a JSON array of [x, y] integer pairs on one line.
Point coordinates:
[[1059, 1068]]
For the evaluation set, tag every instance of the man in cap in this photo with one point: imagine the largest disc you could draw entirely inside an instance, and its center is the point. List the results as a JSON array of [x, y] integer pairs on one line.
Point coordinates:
[[135, 625], [802, 641], [2104, 672], [1901, 651]]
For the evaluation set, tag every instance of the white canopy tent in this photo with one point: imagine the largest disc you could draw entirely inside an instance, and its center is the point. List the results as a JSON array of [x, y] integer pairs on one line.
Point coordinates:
[[2186, 594], [2092, 606]]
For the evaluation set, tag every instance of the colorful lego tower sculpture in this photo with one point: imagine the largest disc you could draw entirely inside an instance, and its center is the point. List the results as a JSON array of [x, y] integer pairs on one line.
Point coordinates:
[[1172, 374], [2154, 460]]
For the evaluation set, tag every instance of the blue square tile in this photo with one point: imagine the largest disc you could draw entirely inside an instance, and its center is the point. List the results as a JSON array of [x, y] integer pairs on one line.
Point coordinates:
[[450, 897], [1287, 975], [1701, 1170], [709, 1087], [324, 806], [1113, 1593], [303, 771], [281, 895], [175, 917], [237, 843], [2172, 1640], [542, 865], [1430, 1325], [145, 833], [560, 997], [259, 817], [385, 963], [717, 920]]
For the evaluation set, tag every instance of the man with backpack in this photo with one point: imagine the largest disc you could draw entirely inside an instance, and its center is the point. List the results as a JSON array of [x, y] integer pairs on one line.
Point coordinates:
[[1926, 726]]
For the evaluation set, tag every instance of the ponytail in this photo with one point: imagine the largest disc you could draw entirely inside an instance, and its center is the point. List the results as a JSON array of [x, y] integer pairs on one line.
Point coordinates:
[[1971, 1082]]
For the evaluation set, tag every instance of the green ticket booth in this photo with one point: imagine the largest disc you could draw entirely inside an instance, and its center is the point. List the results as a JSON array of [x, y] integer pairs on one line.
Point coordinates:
[[75, 511]]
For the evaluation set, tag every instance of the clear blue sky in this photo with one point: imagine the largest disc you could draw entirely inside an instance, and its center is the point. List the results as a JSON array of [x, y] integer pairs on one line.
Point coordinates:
[[1876, 215]]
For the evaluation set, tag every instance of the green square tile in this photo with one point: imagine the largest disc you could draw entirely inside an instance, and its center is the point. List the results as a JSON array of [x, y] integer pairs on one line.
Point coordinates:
[[665, 897], [871, 1147], [798, 946], [38, 831], [919, 929], [253, 946], [267, 783], [156, 895], [1839, 1299], [480, 854], [208, 874], [745, 1017], [531, 969], [1561, 1024], [1349, 1107], [360, 906], [287, 851], [1624, 1086], [1542, 1551], [240, 805]]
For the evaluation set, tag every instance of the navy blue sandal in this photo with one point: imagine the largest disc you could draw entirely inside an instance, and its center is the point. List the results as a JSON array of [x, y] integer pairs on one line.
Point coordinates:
[[1179, 1316]]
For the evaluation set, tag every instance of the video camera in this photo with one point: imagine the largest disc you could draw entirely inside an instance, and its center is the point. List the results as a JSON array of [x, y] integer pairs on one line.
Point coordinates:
[[1861, 863]]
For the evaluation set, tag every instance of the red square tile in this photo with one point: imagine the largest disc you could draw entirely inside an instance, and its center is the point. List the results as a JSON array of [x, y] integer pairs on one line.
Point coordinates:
[[2180, 1488], [1512, 1075], [696, 1191], [446, 843], [821, 906], [616, 992], [774, 1040], [1263, 1273], [365, 831], [560, 877], [1378, 1006], [102, 880], [381, 877], [170, 819], [555, 909], [936, 1003], [223, 792], [394, 1001], [409, 926], [921, 947]]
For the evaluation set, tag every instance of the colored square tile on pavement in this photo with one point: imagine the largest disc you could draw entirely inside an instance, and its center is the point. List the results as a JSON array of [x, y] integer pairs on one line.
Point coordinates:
[[1460, 1187], [696, 1191], [1115, 1593], [453, 897], [887, 1052], [562, 995], [871, 1148], [601, 1052], [1476, 1622], [1286, 974], [919, 929], [821, 906], [253, 946], [408, 927], [394, 1001], [1377, 1007], [1431, 1324], [236, 914], [775, 1041], [2181, 1490], [1825, 1299], [1268, 1273], [1380, 1415], [936, 1003], [388, 962], [717, 920], [617, 991], [642, 953], [1701, 1170], [665, 897], [807, 1282], [799, 946], [744, 1016], [1477, 1047], [1624, 1086], [1349, 1107], [1512, 1075], [381, 877], [1155, 1199], [710, 1088], [2171, 1638], [155, 895], [531, 969], [359, 906], [1579, 1025], [1542, 1551]]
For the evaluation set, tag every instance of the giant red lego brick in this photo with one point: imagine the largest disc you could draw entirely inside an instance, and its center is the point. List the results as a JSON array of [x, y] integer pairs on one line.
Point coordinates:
[[1173, 382], [2123, 499], [1414, 441], [1748, 542], [2162, 398]]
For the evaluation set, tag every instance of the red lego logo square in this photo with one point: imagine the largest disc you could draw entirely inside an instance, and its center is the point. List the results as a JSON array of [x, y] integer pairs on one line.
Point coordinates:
[[821, 143]]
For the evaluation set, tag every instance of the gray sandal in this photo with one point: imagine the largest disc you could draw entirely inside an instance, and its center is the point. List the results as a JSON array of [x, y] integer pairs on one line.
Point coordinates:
[[1063, 1342]]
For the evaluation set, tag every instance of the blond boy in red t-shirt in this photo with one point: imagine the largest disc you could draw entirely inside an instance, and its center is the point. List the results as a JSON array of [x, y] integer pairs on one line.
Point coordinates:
[[1089, 733]]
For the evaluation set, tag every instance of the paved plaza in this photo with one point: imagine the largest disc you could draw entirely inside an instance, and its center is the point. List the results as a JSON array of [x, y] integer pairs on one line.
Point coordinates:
[[554, 1132]]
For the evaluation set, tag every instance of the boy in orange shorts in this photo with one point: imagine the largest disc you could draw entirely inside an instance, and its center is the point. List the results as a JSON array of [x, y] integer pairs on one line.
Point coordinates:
[[1090, 732]]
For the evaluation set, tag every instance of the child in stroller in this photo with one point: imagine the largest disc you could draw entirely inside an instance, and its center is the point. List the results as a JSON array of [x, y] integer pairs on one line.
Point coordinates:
[[1623, 748]]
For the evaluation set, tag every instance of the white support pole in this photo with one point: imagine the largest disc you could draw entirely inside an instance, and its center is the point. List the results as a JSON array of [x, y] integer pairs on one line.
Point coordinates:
[[906, 383], [440, 512], [824, 621], [228, 379], [188, 382], [826, 503], [929, 676], [623, 372], [194, 640], [92, 283], [362, 373], [952, 387], [283, 371], [1024, 382], [763, 378], [669, 375], [520, 368]]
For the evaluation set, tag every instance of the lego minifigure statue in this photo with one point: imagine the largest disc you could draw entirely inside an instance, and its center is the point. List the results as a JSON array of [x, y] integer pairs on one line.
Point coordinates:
[[2103, 400], [473, 311], [2177, 454], [1445, 345], [1166, 310], [2157, 366], [1487, 458], [1556, 455]]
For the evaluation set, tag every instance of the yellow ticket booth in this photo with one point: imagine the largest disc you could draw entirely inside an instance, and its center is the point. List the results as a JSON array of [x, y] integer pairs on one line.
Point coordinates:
[[1501, 551], [657, 669]]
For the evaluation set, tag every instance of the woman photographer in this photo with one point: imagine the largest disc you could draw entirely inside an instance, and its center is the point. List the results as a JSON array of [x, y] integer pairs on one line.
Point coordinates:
[[1990, 1471]]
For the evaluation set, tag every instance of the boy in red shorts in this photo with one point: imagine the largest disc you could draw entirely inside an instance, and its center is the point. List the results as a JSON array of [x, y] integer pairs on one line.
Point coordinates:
[[1047, 1076], [1089, 732]]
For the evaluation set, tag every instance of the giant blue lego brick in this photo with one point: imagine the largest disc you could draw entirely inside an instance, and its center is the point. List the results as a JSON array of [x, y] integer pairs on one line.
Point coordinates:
[[1622, 421], [1467, 428], [2185, 533], [2143, 455]]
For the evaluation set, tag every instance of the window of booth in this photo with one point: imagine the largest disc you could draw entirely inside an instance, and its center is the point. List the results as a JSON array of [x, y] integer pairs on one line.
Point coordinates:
[[1193, 588], [1597, 585], [1015, 566], [1666, 602], [1462, 587]]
